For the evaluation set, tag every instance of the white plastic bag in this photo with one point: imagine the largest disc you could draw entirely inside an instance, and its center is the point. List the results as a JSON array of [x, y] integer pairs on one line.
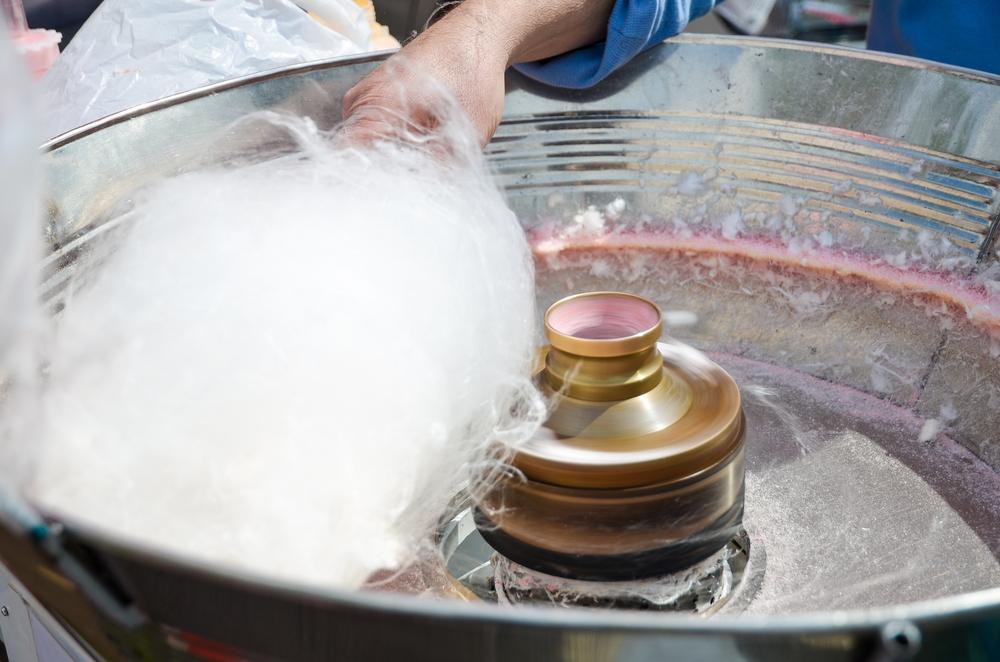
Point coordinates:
[[129, 52], [747, 16]]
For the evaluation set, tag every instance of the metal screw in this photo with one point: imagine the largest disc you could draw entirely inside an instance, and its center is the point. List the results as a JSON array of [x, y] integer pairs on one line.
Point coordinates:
[[901, 640], [4, 611]]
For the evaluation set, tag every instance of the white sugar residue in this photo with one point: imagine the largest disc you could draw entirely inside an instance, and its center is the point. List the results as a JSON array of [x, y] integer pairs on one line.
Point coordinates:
[[593, 220], [732, 225], [843, 186], [804, 301], [590, 220], [929, 430], [675, 319], [869, 199], [614, 209], [932, 427], [789, 205], [691, 184]]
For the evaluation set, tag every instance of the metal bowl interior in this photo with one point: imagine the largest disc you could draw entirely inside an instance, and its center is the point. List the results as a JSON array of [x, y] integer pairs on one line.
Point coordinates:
[[791, 200]]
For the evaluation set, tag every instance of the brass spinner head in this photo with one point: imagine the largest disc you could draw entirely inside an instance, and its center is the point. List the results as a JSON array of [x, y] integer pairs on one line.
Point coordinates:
[[639, 470]]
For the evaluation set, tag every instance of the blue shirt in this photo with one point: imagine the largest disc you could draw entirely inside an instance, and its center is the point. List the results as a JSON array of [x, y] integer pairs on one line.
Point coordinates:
[[964, 33], [634, 26]]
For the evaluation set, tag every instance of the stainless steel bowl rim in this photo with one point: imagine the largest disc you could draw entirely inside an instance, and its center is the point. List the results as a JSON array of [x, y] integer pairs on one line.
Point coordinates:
[[955, 607], [789, 44]]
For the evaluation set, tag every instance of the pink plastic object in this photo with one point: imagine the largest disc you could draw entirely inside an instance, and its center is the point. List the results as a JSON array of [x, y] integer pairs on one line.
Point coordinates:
[[39, 47]]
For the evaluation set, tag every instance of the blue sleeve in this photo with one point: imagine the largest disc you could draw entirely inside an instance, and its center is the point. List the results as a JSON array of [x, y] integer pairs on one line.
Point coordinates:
[[634, 26]]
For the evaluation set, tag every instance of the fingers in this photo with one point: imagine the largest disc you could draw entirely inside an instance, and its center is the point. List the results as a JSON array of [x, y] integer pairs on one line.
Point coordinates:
[[424, 93], [362, 132]]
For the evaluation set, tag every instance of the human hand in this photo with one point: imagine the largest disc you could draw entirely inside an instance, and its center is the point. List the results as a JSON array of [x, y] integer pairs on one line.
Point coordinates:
[[458, 60], [461, 59]]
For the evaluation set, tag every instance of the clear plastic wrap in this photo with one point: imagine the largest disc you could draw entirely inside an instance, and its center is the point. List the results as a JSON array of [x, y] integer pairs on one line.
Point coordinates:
[[130, 53]]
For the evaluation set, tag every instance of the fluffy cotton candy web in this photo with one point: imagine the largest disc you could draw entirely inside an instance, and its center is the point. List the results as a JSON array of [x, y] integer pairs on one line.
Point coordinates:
[[20, 249], [291, 366]]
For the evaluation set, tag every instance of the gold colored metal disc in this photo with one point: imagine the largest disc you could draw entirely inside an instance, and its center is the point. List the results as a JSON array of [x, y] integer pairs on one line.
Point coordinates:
[[614, 521], [629, 411], [688, 423], [642, 455]]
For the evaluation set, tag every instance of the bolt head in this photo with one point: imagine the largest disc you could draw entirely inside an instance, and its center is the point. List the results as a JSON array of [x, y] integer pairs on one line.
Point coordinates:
[[4, 611], [901, 640]]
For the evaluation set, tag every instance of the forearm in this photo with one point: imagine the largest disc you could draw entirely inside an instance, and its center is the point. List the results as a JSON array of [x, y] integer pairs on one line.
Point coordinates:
[[529, 30]]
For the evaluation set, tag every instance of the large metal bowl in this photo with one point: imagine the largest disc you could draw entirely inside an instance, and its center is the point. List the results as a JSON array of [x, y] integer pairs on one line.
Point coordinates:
[[775, 121]]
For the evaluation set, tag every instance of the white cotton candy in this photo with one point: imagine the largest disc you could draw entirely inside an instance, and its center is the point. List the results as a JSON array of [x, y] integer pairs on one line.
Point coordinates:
[[290, 367], [20, 250]]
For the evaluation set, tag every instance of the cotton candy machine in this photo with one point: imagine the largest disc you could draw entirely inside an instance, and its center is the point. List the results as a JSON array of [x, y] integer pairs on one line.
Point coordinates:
[[821, 222]]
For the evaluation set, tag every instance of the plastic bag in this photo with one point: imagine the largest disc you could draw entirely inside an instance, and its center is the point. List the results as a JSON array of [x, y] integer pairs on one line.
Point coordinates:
[[746, 16], [129, 52]]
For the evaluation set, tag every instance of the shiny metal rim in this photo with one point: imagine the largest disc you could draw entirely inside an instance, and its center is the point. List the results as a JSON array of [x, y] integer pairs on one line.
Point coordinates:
[[787, 44]]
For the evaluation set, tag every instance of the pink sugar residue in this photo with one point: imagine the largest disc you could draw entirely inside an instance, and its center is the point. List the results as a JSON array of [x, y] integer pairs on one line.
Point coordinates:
[[962, 294]]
